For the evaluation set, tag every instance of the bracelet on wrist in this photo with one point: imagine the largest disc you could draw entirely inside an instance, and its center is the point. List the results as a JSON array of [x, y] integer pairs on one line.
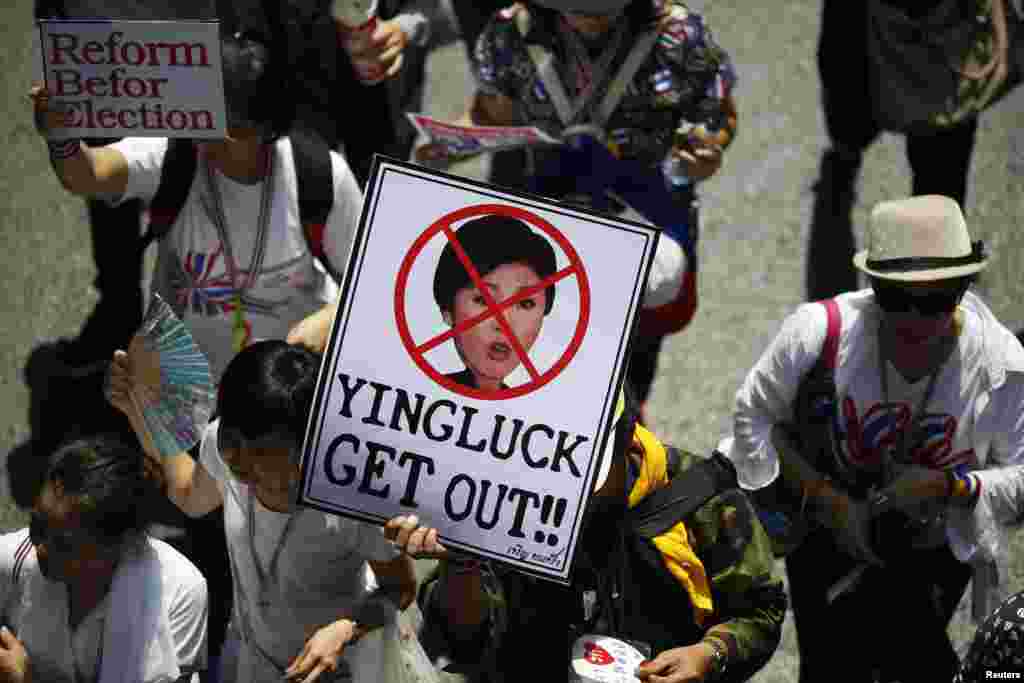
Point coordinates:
[[719, 657], [64, 149], [965, 486]]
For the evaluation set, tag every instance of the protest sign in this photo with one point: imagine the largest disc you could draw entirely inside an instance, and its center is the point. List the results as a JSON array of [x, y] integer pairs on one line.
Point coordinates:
[[135, 78], [474, 364]]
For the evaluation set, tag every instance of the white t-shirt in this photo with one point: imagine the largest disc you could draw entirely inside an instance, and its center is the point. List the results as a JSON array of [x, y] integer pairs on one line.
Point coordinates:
[[36, 610], [192, 273], [322, 572], [974, 416]]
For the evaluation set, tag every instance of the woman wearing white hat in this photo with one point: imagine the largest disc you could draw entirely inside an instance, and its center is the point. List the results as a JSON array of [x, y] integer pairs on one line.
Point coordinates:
[[928, 389]]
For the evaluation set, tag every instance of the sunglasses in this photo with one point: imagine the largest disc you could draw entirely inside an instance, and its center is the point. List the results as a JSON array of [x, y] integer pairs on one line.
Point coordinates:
[[900, 300]]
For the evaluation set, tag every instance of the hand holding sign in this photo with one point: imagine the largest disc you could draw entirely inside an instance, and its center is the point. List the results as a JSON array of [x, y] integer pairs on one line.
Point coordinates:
[[45, 115], [414, 539]]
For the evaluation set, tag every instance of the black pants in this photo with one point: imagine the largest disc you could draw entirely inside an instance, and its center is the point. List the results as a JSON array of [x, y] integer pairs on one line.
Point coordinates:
[[891, 626], [939, 158]]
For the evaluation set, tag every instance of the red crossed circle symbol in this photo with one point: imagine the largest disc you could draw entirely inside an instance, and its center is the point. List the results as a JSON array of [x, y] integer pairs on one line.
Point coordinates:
[[495, 309]]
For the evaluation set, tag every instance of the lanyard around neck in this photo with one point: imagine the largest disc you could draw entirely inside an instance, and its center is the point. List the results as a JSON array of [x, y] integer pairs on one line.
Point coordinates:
[[271, 573], [220, 222]]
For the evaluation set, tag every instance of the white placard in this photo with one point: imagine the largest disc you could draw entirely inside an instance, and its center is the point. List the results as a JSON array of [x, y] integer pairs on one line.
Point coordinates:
[[135, 78], [404, 420]]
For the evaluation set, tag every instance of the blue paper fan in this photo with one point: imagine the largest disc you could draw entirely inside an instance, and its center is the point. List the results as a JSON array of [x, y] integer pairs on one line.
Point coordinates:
[[173, 387]]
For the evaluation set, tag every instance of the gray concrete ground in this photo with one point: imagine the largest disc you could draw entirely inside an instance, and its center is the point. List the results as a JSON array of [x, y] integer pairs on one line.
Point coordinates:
[[755, 222]]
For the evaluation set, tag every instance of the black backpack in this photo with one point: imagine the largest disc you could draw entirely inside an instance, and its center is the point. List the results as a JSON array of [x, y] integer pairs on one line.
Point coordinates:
[[313, 175]]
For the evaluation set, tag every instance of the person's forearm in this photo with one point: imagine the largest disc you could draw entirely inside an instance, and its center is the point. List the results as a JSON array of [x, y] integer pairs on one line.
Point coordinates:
[[178, 470], [397, 580], [72, 164], [750, 639]]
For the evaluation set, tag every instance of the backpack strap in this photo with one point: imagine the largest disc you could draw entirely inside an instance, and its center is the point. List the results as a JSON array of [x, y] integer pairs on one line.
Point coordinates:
[[176, 175], [315, 180], [21, 553], [685, 493], [830, 351]]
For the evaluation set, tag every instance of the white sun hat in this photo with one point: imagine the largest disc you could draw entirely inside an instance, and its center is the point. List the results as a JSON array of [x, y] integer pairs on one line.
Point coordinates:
[[919, 239]]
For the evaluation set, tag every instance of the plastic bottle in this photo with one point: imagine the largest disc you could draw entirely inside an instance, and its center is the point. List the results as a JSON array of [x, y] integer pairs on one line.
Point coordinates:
[[674, 170], [358, 20]]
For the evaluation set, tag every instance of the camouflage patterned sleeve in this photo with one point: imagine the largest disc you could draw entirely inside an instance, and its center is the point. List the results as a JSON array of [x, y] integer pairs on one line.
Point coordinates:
[[747, 588]]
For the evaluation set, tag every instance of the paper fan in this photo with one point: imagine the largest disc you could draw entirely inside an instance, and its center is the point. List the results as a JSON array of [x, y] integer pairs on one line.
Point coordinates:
[[173, 387]]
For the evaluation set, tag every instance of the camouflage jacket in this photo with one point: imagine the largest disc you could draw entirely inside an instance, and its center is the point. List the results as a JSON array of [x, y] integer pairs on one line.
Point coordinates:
[[529, 620]]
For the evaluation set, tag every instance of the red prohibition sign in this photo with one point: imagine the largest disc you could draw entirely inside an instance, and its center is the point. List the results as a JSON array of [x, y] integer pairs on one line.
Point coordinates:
[[495, 309]]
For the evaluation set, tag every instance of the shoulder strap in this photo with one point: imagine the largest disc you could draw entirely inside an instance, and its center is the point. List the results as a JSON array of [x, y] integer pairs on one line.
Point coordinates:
[[22, 552], [315, 180], [830, 351], [176, 175], [686, 492], [571, 113]]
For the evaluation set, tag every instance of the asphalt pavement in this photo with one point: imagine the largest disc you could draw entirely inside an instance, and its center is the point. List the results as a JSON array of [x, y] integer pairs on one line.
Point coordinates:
[[755, 215]]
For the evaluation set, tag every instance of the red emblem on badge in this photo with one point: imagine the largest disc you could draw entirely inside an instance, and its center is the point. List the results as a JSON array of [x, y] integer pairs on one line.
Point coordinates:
[[595, 654]]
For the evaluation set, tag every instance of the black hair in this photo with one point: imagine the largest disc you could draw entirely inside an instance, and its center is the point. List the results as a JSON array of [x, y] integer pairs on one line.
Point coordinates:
[[113, 485], [253, 83], [491, 241], [642, 15], [268, 389]]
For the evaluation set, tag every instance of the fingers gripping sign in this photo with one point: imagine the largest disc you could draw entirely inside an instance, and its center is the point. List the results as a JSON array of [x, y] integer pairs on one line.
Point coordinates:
[[414, 539]]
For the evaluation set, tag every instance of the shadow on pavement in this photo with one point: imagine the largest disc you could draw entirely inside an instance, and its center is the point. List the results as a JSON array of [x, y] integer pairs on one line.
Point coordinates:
[[65, 402]]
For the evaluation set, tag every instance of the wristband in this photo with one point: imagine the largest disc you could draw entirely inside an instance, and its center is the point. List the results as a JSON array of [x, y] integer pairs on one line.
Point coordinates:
[[64, 149], [719, 658], [965, 485]]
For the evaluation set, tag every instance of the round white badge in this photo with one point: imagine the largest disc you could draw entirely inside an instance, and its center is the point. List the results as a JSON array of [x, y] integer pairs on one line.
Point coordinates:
[[603, 659]]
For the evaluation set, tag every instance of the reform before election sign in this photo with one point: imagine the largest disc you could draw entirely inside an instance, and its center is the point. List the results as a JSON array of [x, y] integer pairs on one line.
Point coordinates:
[[135, 78], [474, 364]]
